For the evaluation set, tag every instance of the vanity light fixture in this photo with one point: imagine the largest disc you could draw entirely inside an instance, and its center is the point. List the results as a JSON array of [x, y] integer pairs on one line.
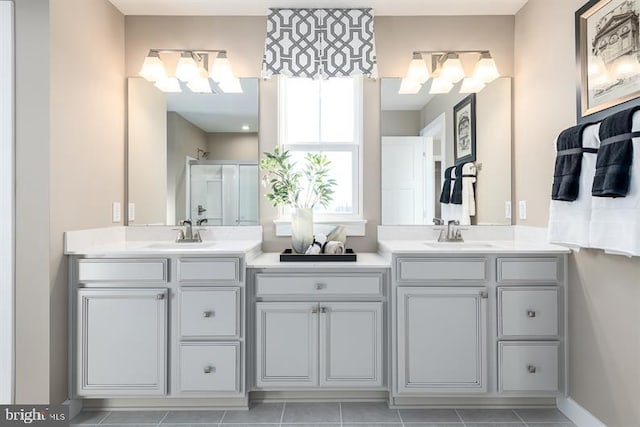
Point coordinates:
[[447, 70], [192, 69]]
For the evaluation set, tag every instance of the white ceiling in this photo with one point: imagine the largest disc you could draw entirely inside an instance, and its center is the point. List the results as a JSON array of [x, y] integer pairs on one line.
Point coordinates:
[[222, 112], [260, 7]]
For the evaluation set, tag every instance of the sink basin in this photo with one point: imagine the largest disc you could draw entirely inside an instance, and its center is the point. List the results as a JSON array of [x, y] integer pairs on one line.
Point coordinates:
[[180, 246], [461, 245]]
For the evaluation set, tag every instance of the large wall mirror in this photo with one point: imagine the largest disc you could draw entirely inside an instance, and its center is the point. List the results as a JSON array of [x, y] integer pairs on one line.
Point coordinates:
[[192, 155], [418, 146]]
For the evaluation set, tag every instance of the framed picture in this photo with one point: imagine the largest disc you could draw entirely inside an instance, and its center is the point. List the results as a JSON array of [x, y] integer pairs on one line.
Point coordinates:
[[607, 53], [464, 130]]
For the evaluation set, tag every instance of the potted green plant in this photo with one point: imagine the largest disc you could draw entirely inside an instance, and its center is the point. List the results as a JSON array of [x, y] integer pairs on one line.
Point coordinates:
[[301, 189]]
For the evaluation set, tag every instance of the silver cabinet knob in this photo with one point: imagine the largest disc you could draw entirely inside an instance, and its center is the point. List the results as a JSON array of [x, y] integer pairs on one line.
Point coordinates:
[[209, 369], [320, 286], [324, 309], [531, 313], [160, 296], [210, 313], [531, 369], [484, 294]]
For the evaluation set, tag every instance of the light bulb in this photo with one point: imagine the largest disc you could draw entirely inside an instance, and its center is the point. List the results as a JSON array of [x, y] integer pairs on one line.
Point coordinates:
[[440, 85], [409, 87], [471, 85], [417, 70], [486, 70], [452, 69], [221, 69], [168, 84], [153, 68], [187, 68]]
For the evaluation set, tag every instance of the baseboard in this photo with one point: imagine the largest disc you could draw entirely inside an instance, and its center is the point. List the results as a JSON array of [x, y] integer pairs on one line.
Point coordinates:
[[576, 413], [75, 406]]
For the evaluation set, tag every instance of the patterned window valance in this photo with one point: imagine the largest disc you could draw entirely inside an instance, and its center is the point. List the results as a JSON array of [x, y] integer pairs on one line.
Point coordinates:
[[319, 43]]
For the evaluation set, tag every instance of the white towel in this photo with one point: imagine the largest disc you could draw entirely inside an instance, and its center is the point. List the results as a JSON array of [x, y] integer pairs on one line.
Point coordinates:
[[615, 223], [334, 248], [468, 196], [569, 222]]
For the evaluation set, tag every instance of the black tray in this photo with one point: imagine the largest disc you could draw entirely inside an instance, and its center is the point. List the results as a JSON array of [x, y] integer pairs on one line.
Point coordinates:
[[288, 256]]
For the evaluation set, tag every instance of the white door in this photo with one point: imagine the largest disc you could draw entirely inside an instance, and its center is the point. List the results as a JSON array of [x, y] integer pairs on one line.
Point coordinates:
[[351, 344], [442, 340], [121, 343], [6, 200], [403, 180], [286, 344]]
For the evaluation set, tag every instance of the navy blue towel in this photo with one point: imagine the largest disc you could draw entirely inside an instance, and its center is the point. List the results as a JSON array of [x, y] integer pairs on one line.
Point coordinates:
[[566, 175], [445, 197], [456, 194], [613, 165]]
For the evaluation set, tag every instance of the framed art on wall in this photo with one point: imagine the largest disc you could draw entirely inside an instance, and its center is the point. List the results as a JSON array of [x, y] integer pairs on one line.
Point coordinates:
[[464, 130], [607, 52]]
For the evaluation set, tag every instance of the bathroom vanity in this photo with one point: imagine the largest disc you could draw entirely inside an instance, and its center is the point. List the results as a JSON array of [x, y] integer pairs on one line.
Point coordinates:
[[419, 323]]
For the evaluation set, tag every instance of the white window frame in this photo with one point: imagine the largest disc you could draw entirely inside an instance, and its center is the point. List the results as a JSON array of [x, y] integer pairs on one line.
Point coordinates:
[[354, 222], [7, 199]]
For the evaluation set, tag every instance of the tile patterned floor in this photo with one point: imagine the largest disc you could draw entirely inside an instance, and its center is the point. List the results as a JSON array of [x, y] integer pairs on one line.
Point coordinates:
[[295, 414]]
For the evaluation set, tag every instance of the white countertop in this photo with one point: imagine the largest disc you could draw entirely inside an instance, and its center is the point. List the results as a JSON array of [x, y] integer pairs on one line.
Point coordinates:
[[364, 260], [165, 248], [432, 247]]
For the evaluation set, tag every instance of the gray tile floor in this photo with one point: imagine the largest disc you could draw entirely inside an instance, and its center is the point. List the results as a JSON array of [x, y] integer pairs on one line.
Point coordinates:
[[293, 414]]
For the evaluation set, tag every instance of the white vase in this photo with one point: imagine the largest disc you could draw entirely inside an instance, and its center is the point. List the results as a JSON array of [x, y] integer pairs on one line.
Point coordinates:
[[301, 229]]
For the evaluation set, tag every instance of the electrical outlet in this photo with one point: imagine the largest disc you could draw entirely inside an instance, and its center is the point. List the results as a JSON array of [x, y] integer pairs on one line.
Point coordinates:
[[116, 212], [522, 209], [507, 209], [131, 212]]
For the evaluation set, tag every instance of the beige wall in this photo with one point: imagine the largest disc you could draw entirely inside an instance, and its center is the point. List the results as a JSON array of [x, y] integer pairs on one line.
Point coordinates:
[[183, 139], [233, 146], [604, 296], [32, 291], [400, 123], [69, 166], [147, 152]]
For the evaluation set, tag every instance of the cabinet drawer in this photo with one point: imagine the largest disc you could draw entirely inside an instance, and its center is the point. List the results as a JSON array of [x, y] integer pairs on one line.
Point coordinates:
[[209, 270], [441, 269], [529, 311], [528, 366], [153, 270], [528, 270], [210, 312], [310, 285], [206, 367]]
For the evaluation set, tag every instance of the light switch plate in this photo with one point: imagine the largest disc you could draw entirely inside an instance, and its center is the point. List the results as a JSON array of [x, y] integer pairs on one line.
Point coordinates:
[[507, 209], [522, 209], [116, 212], [131, 212]]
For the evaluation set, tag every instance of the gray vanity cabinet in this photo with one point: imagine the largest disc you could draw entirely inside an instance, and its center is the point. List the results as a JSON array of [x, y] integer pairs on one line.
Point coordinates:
[[122, 336], [442, 336]]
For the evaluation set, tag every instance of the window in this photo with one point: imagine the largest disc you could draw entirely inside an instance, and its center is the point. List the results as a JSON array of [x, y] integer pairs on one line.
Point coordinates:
[[325, 116]]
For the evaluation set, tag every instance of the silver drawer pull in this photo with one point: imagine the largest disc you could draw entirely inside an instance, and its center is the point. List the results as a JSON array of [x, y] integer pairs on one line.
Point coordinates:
[[484, 294], [531, 369], [208, 313], [531, 313], [314, 310], [320, 286], [209, 369], [160, 296]]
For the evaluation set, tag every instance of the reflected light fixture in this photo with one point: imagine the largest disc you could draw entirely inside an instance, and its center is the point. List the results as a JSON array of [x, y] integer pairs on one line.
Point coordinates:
[[245, 127], [192, 69], [447, 69], [627, 66]]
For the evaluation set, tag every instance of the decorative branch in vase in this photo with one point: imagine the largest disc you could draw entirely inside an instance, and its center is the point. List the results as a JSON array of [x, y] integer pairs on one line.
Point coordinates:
[[301, 190]]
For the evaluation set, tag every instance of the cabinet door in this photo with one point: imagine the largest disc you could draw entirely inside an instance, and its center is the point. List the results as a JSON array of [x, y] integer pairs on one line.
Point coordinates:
[[121, 342], [442, 340], [286, 344], [351, 344]]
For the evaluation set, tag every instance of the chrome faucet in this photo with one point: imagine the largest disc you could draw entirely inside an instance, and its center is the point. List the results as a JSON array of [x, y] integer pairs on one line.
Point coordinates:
[[451, 234], [187, 235]]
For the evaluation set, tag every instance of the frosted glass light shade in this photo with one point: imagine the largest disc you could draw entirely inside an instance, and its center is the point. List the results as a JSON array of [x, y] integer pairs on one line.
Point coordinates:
[[221, 69], [440, 85], [409, 87], [153, 68], [485, 70], [199, 85], [452, 69], [418, 71], [627, 66], [231, 86], [168, 84], [187, 68], [596, 66], [471, 85]]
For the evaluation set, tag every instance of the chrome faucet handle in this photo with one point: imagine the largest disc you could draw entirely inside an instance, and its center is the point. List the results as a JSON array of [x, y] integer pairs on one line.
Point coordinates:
[[438, 221], [201, 221]]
